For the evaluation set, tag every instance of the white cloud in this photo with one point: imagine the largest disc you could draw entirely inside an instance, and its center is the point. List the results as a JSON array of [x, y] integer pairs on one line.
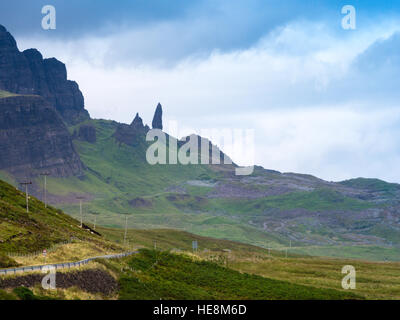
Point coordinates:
[[287, 87]]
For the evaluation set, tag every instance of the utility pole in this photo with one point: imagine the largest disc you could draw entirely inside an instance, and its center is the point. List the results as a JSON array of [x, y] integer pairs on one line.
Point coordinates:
[[80, 209], [26, 183], [45, 174], [94, 226], [126, 228]]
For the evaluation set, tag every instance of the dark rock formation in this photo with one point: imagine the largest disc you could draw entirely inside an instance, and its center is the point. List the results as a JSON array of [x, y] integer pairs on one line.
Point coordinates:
[[157, 120], [28, 73], [133, 134], [33, 138], [86, 133], [137, 122]]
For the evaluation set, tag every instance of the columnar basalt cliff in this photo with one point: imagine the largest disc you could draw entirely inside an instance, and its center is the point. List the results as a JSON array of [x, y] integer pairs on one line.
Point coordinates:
[[28, 73], [33, 138], [85, 133]]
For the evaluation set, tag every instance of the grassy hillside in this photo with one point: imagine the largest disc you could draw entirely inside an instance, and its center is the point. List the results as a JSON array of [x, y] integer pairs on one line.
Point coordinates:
[[119, 181], [159, 275], [373, 185], [266, 209], [168, 239], [223, 269], [375, 280], [41, 228]]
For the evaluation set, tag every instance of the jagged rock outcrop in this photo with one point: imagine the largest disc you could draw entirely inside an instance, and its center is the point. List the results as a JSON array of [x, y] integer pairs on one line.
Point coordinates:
[[157, 120], [213, 154], [33, 138], [132, 134], [137, 123], [28, 73], [86, 133]]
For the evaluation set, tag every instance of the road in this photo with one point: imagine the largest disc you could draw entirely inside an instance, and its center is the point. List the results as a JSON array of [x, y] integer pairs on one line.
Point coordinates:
[[66, 265]]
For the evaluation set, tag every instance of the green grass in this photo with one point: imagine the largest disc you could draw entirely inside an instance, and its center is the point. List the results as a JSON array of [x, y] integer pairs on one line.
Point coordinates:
[[168, 239], [22, 232], [7, 262], [160, 275], [319, 199], [24, 293], [6, 94], [372, 253], [375, 280], [4, 295]]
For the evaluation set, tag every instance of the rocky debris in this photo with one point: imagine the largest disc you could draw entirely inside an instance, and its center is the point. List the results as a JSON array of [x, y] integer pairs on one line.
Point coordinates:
[[91, 280], [28, 73], [33, 138], [140, 203], [133, 134], [86, 133], [157, 120]]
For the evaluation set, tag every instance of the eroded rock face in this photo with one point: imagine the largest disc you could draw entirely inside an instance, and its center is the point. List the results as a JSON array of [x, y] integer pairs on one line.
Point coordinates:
[[33, 138], [28, 73], [133, 134]]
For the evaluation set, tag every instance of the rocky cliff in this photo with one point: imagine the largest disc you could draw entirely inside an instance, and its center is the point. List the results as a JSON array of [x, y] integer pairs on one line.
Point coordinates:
[[28, 73], [133, 134], [33, 138]]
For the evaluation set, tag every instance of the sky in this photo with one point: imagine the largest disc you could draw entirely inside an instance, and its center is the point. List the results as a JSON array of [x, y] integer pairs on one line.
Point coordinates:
[[321, 99]]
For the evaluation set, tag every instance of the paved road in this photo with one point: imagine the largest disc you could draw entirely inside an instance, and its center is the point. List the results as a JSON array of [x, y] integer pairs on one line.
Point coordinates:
[[67, 265]]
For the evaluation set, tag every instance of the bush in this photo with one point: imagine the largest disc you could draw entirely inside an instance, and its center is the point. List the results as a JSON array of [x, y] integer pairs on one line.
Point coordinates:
[[24, 293]]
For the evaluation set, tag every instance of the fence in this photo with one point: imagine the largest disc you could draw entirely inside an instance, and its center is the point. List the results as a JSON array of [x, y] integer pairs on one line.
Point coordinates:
[[67, 265], [37, 253]]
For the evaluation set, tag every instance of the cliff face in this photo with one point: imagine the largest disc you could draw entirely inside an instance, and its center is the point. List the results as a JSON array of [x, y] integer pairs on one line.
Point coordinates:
[[28, 73], [33, 138]]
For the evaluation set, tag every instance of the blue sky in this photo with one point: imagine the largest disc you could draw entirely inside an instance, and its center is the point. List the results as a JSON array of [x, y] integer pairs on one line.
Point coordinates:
[[322, 100]]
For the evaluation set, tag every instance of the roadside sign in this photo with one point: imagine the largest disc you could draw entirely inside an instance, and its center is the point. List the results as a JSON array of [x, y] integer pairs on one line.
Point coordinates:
[[44, 252]]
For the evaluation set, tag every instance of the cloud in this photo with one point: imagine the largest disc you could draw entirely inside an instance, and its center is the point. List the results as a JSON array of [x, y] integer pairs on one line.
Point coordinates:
[[334, 143], [322, 101]]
